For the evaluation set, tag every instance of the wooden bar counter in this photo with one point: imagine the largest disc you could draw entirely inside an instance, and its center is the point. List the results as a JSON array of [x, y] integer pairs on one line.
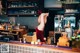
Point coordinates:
[[17, 47]]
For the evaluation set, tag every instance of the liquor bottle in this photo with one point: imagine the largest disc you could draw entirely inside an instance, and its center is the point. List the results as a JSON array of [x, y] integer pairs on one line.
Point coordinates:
[[24, 40]]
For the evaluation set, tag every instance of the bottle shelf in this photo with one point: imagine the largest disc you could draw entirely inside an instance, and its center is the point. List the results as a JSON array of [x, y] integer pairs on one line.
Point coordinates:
[[16, 15], [23, 7], [69, 2]]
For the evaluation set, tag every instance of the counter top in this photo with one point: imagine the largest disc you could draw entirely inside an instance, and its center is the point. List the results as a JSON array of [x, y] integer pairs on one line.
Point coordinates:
[[46, 47]]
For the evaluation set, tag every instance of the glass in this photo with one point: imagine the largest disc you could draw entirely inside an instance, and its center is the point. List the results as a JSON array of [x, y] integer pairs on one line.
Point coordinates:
[[20, 40], [24, 40]]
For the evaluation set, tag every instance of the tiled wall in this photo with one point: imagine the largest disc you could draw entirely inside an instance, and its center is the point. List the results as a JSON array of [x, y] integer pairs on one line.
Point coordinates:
[[14, 48]]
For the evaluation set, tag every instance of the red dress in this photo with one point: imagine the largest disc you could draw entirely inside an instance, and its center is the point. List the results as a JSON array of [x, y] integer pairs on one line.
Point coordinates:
[[40, 35]]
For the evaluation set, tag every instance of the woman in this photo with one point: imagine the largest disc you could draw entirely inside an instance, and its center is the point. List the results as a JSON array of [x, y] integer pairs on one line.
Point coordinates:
[[42, 19]]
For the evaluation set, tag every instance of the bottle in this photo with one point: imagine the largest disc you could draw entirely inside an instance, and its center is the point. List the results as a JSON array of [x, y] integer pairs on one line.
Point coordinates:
[[79, 24], [32, 42], [39, 42], [20, 40], [6, 27], [24, 40]]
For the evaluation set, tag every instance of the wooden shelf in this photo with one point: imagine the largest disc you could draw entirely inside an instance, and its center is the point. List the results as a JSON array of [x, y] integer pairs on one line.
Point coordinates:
[[16, 15], [69, 2], [20, 0], [23, 7]]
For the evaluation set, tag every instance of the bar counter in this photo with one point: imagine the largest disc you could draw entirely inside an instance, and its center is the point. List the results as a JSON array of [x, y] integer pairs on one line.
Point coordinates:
[[18, 32], [17, 47], [14, 30]]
